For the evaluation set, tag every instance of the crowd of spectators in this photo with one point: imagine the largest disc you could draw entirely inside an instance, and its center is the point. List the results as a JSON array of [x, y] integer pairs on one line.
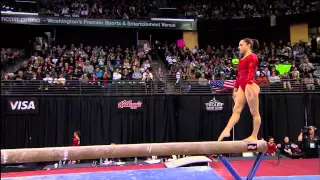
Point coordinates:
[[132, 9], [285, 148], [86, 65], [281, 65], [99, 9], [241, 9], [9, 57]]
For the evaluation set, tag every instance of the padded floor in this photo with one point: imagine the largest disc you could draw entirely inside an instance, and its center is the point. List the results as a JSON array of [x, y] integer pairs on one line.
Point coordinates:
[[288, 178], [189, 173]]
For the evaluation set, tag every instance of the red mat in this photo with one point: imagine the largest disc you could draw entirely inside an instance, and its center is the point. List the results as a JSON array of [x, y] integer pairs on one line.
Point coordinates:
[[290, 167], [267, 168]]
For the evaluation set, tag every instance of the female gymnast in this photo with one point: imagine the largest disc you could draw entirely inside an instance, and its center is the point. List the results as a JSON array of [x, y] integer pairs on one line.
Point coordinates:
[[76, 142], [76, 138], [246, 89]]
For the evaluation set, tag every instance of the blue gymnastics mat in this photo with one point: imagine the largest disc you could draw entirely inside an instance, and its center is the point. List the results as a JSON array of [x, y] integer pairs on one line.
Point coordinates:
[[188, 173]]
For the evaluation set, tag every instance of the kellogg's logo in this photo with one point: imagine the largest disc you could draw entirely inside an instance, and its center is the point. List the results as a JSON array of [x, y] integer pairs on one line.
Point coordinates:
[[129, 104]]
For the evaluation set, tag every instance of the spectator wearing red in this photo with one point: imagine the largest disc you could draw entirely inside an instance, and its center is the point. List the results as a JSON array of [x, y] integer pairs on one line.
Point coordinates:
[[271, 147], [76, 138], [262, 79], [93, 80]]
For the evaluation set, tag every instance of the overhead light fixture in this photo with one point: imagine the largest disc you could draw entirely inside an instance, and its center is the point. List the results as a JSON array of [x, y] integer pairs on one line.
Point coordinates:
[[18, 13], [170, 19]]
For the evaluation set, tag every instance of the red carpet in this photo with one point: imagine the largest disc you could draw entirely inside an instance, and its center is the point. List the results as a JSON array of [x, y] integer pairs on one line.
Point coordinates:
[[290, 167], [267, 168]]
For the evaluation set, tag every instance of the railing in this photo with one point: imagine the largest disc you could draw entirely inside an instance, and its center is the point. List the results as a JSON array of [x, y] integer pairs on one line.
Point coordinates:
[[135, 87]]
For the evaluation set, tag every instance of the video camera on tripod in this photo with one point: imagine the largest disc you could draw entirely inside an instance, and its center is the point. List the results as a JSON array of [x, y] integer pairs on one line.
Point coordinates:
[[305, 131]]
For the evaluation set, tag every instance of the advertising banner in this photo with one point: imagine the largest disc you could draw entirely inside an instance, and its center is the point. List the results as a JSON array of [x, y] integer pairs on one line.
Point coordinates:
[[130, 104], [21, 105], [107, 23]]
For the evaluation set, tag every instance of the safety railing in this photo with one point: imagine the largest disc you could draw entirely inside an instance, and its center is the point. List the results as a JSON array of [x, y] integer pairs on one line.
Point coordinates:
[[136, 87]]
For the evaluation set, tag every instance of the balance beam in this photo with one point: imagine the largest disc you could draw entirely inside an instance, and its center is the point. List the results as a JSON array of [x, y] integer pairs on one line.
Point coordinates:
[[27, 155]]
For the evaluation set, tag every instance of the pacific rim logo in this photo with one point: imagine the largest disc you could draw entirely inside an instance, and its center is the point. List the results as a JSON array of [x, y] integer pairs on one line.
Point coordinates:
[[22, 105]]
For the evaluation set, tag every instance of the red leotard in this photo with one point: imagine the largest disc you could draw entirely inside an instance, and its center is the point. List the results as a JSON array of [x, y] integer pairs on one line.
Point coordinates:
[[76, 142], [247, 68]]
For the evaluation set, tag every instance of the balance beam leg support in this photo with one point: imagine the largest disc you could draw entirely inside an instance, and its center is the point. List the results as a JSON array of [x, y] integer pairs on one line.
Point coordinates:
[[255, 166], [227, 164], [234, 173]]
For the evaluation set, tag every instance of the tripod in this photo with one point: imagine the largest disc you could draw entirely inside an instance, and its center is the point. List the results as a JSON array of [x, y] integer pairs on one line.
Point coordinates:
[[279, 156]]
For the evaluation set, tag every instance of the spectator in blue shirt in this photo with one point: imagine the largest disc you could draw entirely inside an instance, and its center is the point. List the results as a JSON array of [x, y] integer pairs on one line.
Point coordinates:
[[98, 73], [137, 75]]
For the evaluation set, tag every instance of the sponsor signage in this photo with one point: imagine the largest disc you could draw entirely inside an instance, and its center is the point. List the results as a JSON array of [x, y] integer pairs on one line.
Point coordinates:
[[22, 105], [214, 105], [107, 23], [252, 147], [129, 104]]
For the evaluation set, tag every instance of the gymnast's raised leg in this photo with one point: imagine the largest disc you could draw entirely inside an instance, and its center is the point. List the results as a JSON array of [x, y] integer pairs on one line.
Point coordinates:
[[239, 103]]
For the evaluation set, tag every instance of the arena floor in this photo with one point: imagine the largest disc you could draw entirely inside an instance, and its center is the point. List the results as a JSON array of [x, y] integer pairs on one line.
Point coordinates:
[[269, 170]]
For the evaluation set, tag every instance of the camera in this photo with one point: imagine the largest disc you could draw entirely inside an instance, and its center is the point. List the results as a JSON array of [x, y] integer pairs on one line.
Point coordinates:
[[305, 131]]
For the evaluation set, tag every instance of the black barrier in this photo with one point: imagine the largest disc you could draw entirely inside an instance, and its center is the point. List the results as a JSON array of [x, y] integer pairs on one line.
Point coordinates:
[[139, 119]]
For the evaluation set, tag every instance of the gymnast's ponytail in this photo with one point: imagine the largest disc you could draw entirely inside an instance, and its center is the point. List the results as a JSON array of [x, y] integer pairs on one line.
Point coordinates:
[[254, 45]]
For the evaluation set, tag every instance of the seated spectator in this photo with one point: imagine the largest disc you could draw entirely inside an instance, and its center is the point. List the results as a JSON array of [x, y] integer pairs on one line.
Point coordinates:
[[126, 75], [48, 79], [286, 147], [116, 75], [286, 81], [88, 67], [202, 80], [98, 73], [271, 147], [159, 74], [309, 82], [126, 64], [146, 64], [137, 74], [262, 79], [93, 80], [84, 79], [147, 75], [60, 80], [273, 79]]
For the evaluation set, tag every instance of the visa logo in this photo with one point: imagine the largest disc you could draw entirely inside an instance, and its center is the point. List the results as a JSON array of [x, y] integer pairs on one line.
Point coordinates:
[[22, 105]]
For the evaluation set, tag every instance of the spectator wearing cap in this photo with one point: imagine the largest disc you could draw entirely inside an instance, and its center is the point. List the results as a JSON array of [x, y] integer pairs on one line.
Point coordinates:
[[262, 79]]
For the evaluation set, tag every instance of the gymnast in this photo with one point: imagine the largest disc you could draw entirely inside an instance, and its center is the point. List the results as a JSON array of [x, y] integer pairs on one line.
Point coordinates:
[[246, 89]]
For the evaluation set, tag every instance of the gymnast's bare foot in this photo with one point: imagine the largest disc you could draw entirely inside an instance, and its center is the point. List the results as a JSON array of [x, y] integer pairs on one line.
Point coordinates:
[[251, 138], [225, 133]]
